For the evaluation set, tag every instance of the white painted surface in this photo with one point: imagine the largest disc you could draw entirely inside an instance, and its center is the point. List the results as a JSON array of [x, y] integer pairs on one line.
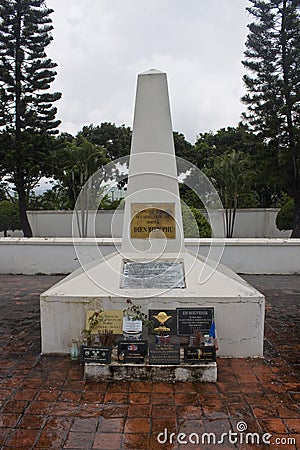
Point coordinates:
[[57, 255], [250, 223], [239, 308], [152, 174]]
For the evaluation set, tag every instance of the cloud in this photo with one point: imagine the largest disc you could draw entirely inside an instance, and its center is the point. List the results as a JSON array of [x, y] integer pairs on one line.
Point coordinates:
[[100, 47]]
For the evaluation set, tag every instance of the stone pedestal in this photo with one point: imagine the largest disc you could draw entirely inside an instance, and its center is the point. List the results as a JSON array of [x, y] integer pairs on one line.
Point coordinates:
[[136, 372], [239, 308]]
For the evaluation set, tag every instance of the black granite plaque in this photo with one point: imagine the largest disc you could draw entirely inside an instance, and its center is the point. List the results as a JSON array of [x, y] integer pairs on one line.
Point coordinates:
[[164, 354], [164, 321], [153, 275], [191, 319], [96, 354], [193, 355], [133, 352]]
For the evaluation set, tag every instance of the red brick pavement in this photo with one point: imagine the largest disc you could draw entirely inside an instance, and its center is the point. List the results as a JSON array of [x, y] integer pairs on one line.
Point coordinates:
[[46, 404]]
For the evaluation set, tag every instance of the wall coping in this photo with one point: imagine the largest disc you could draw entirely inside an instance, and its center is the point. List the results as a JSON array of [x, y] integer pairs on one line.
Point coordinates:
[[117, 241], [111, 211]]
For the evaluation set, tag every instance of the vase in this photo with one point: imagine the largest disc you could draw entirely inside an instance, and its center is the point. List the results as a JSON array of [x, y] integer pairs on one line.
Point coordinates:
[[75, 351]]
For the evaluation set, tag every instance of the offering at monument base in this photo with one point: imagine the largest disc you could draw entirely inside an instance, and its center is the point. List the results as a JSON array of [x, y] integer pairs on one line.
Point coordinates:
[[190, 320], [164, 321], [167, 354], [132, 352], [96, 354], [197, 355], [106, 320]]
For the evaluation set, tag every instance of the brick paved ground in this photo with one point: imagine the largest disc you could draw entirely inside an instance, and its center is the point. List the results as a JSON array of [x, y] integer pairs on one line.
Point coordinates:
[[45, 404]]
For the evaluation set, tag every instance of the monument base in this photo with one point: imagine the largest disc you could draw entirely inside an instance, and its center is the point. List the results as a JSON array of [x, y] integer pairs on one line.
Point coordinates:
[[239, 308], [145, 372]]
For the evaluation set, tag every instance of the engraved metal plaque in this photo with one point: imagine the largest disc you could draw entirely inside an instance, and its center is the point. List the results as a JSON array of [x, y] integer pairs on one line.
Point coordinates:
[[107, 320], [150, 218], [153, 275]]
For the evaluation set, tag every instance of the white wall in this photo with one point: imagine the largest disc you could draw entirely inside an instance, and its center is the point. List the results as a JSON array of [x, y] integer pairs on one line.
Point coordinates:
[[252, 223], [59, 223], [257, 223], [58, 256]]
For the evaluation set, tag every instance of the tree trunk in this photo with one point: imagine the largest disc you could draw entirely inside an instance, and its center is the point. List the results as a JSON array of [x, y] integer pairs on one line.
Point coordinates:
[[23, 208], [19, 174]]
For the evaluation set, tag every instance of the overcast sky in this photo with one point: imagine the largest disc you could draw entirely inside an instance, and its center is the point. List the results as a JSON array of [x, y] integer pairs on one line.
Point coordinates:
[[101, 45]]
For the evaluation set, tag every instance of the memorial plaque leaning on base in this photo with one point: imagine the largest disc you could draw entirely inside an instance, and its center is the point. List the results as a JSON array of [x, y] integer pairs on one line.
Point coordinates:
[[96, 354], [132, 352], [205, 353], [106, 320], [167, 354], [190, 320], [164, 321]]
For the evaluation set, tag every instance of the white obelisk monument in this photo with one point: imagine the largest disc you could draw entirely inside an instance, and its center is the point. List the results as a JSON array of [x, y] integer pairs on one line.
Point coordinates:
[[152, 185], [152, 266]]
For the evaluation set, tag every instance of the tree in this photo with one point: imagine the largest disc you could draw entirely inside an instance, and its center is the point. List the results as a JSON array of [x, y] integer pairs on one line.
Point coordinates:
[[79, 161], [9, 217], [27, 114], [194, 223], [55, 198], [286, 216], [183, 148], [272, 58], [115, 140], [232, 175], [211, 145], [265, 187]]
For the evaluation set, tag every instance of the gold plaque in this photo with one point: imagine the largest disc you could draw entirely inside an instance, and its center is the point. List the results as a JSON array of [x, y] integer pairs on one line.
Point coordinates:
[[155, 218], [109, 320]]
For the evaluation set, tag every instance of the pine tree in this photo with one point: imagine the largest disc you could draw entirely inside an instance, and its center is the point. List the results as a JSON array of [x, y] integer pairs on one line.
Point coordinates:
[[272, 57], [27, 114]]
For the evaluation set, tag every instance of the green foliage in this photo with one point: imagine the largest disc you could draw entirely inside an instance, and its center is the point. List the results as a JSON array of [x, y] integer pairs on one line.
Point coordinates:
[[226, 140], [27, 111], [194, 223], [272, 59], [184, 149], [115, 140], [286, 216], [232, 175], [9, 216], [134, 312], [107, 204], [52, 199], [25, 71], [248, 200], [79, 161], [3, 190], [272, 55], [189, 197]]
